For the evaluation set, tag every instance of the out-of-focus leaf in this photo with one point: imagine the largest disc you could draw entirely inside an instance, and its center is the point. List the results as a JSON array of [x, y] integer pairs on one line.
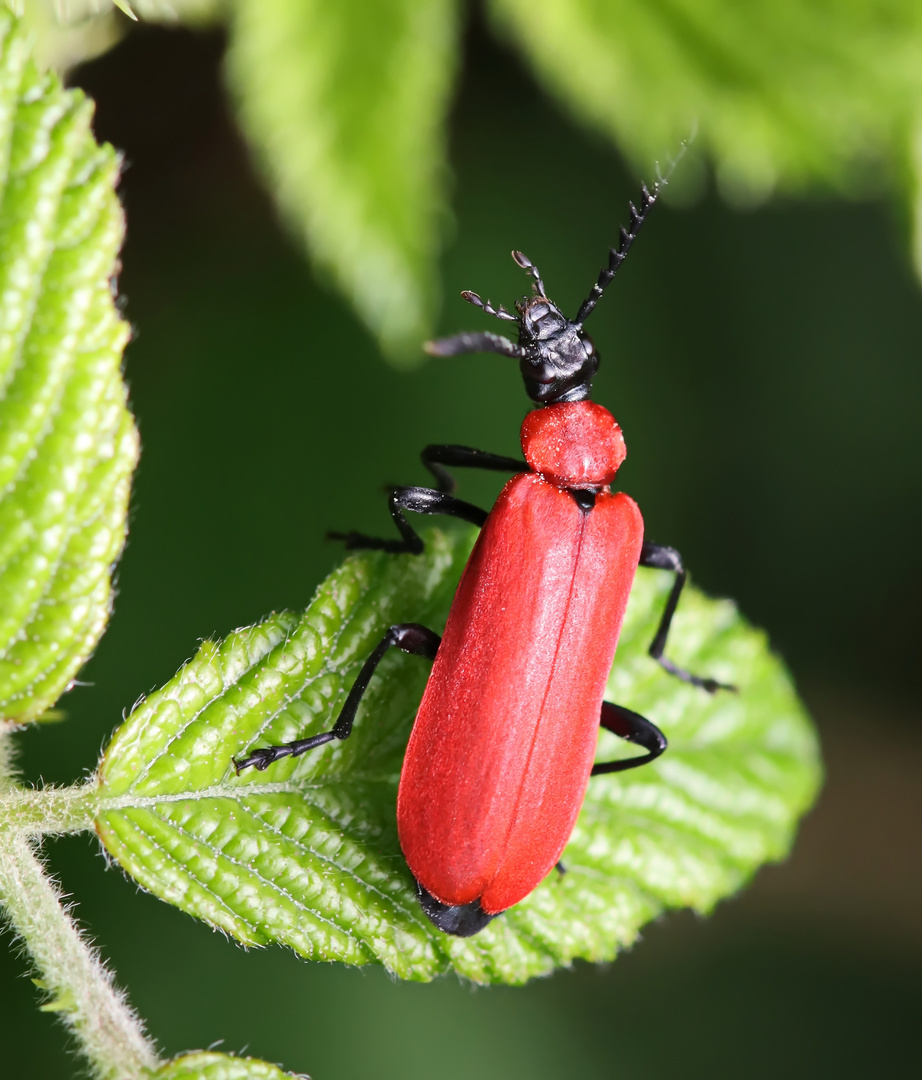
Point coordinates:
[[60, 43], [344, 104], [207, 1065], [785, 93], [69, 33], [67, 441], [190, 12], [306, 854]]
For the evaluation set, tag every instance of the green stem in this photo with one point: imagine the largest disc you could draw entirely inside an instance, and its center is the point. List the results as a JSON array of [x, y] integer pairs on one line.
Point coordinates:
[[40, 812], [82, 990]]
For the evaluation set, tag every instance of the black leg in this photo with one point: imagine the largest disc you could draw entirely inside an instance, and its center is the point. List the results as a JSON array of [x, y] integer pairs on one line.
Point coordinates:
[[497, 312], [660, 557], [636, 729], [437, 457], [470, 341], [527, 264], [420, 500], [410, 637]]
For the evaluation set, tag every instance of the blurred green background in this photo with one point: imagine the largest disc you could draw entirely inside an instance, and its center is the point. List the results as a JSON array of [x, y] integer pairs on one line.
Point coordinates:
[[765, 369]]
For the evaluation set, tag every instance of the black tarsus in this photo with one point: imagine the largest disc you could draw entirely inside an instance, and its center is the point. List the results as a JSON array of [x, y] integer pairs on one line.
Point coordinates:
[[408, 637], [438, 458], [661, 557], [634, 728]]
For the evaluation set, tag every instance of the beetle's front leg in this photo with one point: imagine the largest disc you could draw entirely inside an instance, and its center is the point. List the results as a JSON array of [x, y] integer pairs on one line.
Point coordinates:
[[439, 458], [660, 557], [420, 500]]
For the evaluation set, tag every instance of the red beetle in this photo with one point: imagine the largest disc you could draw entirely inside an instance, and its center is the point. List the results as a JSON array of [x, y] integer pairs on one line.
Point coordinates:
[[503, 745]]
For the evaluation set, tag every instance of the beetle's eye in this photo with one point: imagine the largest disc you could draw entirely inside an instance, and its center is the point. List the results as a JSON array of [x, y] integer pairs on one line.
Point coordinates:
[[542, 371]]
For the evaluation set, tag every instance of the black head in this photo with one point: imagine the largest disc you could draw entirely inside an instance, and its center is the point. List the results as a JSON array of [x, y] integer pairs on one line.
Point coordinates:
[[556, 356]]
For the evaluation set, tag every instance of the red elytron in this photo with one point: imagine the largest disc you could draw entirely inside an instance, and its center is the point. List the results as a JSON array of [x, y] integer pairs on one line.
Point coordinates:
[[504, 741]]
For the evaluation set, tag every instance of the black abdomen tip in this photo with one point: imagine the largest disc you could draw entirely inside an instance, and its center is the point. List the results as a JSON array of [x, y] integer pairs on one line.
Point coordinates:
[[462, 920]]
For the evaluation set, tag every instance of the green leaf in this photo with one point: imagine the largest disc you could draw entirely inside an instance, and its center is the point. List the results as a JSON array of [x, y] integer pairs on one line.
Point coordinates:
[[345, 104], [190, 12], [67, 441], [208, 1065], [785, 93], [65, 34], [306, 854]]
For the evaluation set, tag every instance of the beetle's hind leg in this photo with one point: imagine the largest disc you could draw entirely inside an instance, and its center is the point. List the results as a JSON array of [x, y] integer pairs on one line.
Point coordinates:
[[408, 637], [660, 557], [634, 728]]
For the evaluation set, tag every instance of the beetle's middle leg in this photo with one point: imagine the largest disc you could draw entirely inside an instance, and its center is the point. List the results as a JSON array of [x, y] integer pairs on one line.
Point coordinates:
[[660, 557], [408, 637]]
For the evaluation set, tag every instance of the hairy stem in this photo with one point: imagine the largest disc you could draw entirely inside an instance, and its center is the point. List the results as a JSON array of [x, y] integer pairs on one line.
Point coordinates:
[[109, 1034], [50, 811]]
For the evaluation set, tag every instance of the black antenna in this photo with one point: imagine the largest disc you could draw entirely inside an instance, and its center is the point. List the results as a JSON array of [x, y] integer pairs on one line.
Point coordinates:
[[616, 256]]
